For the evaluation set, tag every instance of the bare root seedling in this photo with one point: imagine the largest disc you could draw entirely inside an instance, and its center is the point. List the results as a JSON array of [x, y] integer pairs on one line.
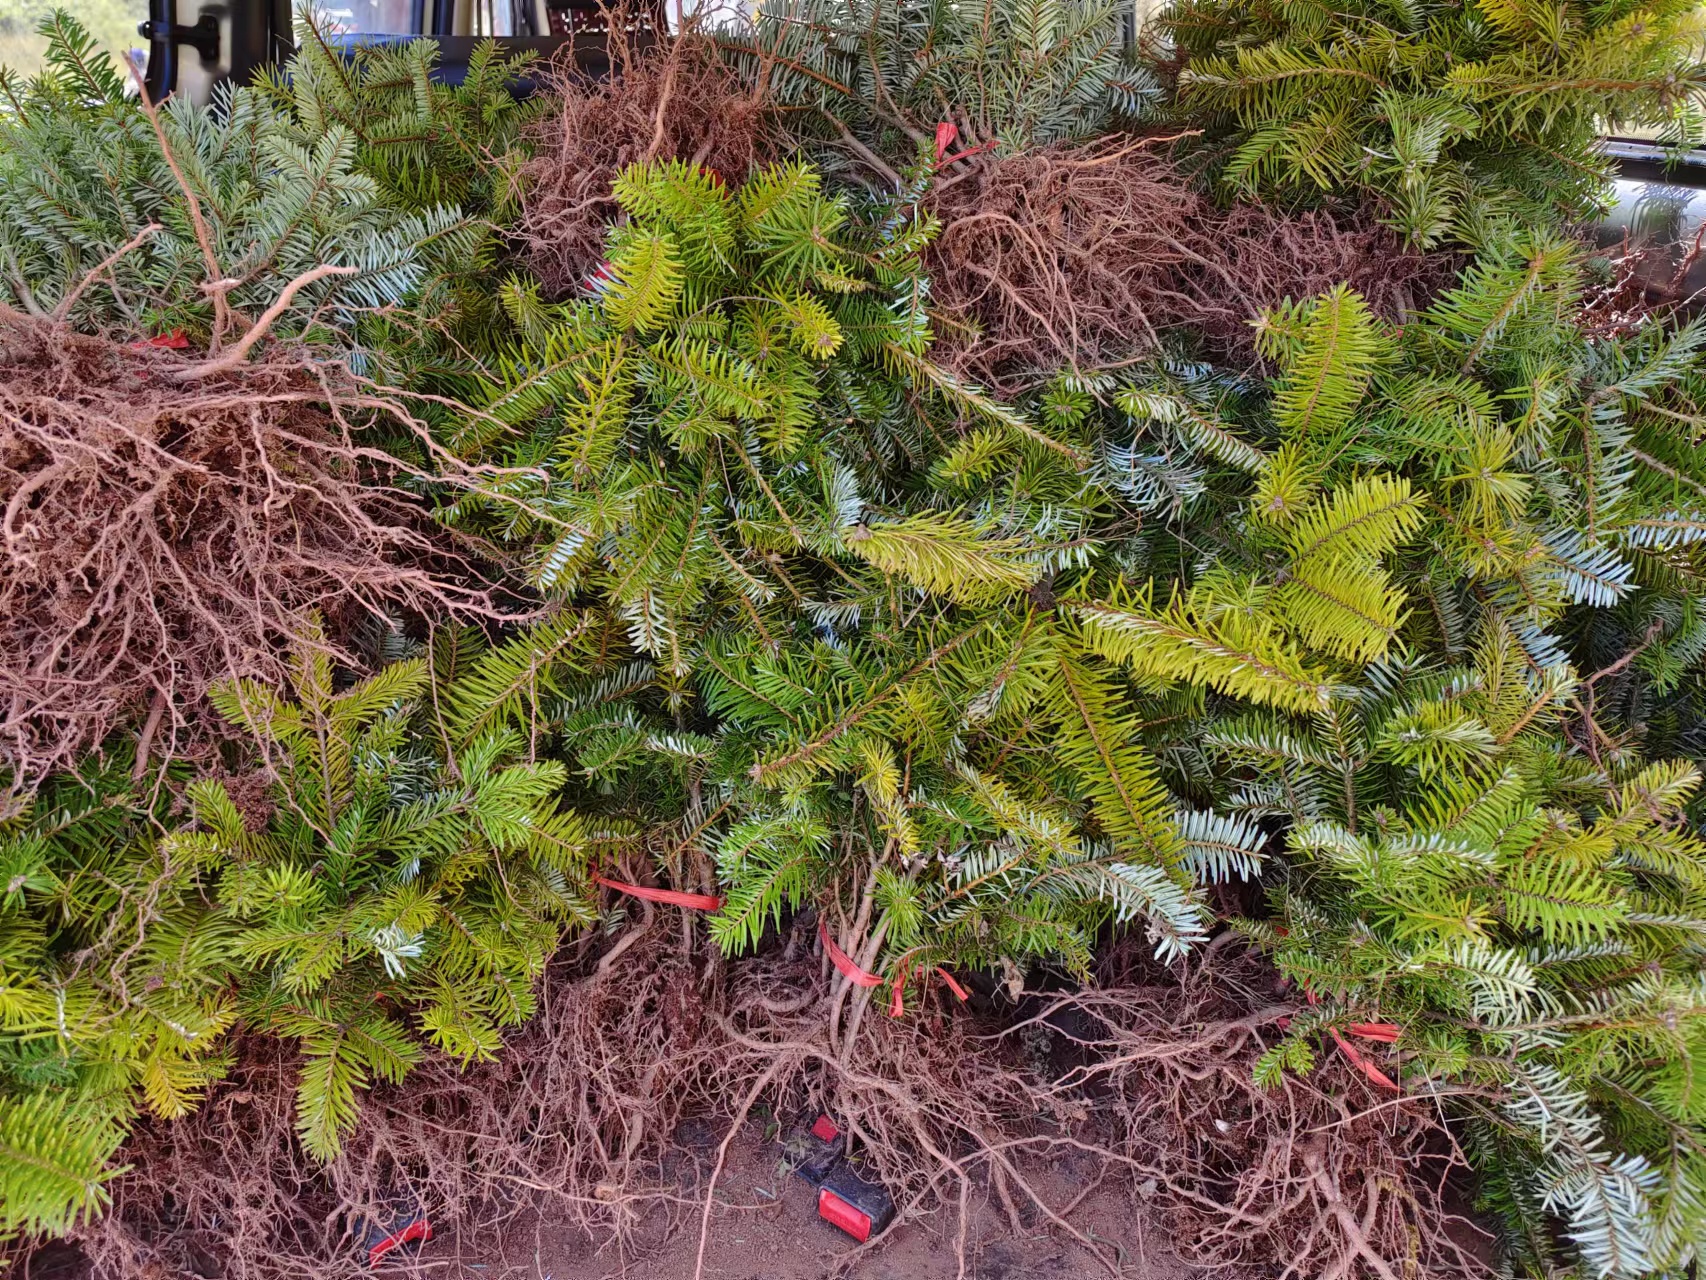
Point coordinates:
[[163, 521], [674, 101]]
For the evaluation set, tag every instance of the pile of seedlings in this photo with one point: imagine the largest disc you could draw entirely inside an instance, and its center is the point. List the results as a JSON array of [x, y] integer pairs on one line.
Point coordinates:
[[1052, 599]]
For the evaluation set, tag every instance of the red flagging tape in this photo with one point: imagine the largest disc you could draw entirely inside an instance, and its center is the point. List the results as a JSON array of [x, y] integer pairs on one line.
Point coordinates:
[[967, 154], [897, 1005], [419, 1229], [946, 132], [844, 962], [670, 897], [1363, 1063], [173, 341], [1384, 1032]]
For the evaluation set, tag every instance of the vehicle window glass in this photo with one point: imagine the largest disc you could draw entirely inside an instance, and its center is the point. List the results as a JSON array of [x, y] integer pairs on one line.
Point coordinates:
[[497, 18], [372, 17]]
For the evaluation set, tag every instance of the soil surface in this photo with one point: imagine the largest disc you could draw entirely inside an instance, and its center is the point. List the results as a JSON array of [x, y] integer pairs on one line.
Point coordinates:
[[765, 1227]]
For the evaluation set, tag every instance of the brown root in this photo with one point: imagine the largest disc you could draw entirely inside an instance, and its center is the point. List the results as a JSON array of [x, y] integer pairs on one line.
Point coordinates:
[[1648, 279], [160, 532], [1083, 256], [1323, 1175], [674, 101], [578, 1120]]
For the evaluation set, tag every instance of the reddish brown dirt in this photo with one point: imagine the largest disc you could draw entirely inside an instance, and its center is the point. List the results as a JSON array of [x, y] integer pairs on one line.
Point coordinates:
[[766, 1228]]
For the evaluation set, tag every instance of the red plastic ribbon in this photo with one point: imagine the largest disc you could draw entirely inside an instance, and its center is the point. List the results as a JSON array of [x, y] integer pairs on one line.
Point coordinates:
[[953, 986], [967, 154], [419, 1229], [669, 897], [173, 341], [1363, 1063], [898, 1007], [844, 962], [946, 132], [1384, 1032], [851, 970]]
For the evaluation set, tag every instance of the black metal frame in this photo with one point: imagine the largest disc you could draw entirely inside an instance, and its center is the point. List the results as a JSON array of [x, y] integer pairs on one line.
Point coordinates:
[[261, 35]]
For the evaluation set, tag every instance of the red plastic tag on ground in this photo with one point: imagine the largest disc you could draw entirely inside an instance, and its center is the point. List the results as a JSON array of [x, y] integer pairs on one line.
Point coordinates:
[[824, 1130], [837, 1212], [669, 897]]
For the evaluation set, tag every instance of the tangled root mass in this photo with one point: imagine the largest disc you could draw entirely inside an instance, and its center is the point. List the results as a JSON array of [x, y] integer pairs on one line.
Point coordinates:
[[670, 102], [1077, 256], [160, 534], [1150, 1088]]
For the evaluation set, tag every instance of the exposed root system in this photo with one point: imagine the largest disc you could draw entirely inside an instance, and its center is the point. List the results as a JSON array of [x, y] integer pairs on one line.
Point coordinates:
[[1321, 1176], [577, 1119], [674, 101], [1078, 256], [160, 532]]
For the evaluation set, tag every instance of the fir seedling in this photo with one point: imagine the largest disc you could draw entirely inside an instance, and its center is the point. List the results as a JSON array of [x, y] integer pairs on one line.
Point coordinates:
[[1455, 119]]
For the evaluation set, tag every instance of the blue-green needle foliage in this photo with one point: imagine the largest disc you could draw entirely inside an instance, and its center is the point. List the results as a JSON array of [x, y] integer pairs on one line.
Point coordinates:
[[361, 164], [1004, 672]]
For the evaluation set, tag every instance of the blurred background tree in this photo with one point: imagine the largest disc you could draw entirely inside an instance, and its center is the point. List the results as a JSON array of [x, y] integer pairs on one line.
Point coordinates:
[[112, 23]]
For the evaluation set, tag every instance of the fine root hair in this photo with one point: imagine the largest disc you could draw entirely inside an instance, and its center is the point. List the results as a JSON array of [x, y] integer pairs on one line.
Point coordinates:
[[1146, 1085]]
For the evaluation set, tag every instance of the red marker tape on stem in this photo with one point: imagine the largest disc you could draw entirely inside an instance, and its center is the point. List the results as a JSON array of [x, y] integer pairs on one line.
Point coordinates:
[[669, 897], [1384, 1032], [844, 962], [896, 1008], [173, 341], [1363, 1064], [946, 132], [967, 154]]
